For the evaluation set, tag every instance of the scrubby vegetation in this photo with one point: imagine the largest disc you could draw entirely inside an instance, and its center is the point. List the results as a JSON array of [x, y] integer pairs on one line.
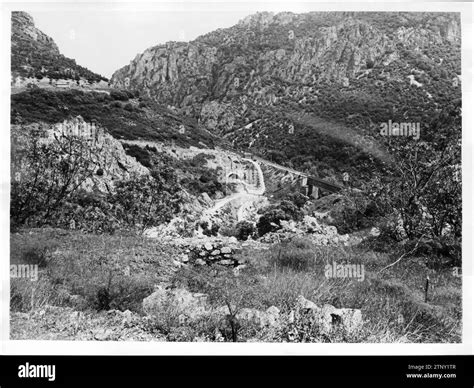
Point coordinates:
[[398, 216], [50, 189], [92, 273], [273, 214], [122, 121]]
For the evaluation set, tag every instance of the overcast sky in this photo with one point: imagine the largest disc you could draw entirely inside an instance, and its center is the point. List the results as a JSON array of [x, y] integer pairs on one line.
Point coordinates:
[[106, 35], [106, 39]]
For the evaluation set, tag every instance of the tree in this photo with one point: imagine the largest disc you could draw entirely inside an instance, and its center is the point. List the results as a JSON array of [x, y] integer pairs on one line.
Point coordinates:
[[48, 172], [146, 200], [421, 184]]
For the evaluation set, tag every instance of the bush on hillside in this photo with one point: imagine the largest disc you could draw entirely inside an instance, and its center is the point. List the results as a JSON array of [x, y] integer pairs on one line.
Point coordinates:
[[119, 95], [273, 214], [244, 229]]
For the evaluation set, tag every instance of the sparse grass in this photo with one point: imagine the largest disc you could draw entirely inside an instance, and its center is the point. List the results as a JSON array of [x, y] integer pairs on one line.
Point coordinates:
[[107, 272], [35, 249], [94, 268], [392, 303]]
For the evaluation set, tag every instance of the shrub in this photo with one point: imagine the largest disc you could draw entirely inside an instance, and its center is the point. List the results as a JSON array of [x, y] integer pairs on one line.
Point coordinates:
[[298, 199], [129, 107], [272, 215], [145, 201], [51, 173], [353, 212], [209, 231], [142, 155], [119, 95], [244, 229], [120, 293], [208, 182]]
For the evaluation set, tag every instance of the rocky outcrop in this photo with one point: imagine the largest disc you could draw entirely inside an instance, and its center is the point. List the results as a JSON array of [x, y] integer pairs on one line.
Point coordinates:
[[318, 233], [194, 306], [35, 54], [292, 87], [329, 318], [105, 153], [221, 76], [190, 306], [175, 73], [23, 27]]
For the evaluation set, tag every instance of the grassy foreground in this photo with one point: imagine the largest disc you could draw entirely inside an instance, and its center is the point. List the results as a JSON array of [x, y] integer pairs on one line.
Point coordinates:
[[86, 282]]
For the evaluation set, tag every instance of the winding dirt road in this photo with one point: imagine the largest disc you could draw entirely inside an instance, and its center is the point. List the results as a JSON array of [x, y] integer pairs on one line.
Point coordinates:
[[245, 197]]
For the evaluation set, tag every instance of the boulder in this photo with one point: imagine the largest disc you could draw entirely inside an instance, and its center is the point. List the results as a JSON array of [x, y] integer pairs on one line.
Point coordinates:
[[226, 250], [103, 334], [127, 317], [239, 268], [269, 318], [206, 199], [190, 305], [329, 318], [305, 304]]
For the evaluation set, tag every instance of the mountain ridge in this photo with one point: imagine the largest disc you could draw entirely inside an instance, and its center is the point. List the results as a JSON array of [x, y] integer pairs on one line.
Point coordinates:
[[34, 54], [250, 82]]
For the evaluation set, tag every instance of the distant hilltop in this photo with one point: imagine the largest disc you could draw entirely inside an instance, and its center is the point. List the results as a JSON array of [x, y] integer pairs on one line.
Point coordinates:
[[35, 57]]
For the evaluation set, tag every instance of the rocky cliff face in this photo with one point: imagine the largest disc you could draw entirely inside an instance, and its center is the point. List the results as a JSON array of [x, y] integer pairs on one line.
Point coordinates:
[[252, 84], [106, 154], [258, 59], [23, 28], [35, 54]]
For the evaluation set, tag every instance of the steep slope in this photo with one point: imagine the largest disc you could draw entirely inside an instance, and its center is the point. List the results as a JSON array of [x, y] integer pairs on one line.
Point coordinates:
[[123, 116], [36, 55], [66, 90], [305, 89]]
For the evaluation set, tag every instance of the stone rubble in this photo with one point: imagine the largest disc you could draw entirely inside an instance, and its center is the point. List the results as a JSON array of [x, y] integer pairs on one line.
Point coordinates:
[[329, 318], [309, 228], [192, 306]]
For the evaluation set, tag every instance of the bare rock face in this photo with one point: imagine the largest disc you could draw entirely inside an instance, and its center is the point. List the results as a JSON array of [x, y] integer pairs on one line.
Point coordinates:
[[163, 69], [23, 26], [107, 155], [225, 76], [35, 54]]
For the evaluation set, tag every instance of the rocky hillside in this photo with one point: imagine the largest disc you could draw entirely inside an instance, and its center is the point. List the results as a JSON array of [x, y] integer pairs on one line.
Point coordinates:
[[108, 159], [35, 55], [301, 88]]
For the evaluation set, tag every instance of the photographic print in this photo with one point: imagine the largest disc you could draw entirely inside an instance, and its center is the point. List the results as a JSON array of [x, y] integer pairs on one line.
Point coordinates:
[[228, 175]]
